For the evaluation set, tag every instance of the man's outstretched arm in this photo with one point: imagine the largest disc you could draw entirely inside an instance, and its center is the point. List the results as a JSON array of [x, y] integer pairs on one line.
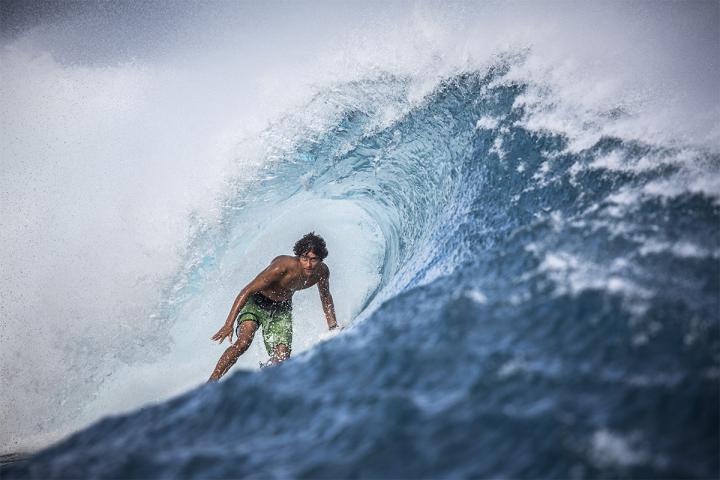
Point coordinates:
[[327, 300], [271, 274]]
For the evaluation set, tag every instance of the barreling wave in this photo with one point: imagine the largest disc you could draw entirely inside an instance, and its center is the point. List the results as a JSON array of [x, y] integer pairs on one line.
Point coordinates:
[[538, 310]]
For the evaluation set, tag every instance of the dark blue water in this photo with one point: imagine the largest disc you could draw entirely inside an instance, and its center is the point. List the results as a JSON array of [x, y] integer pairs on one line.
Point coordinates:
[[543, 313]]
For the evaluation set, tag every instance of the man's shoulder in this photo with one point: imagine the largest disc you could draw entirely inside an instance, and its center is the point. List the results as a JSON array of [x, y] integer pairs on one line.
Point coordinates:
[[279, 267], [283, 260]]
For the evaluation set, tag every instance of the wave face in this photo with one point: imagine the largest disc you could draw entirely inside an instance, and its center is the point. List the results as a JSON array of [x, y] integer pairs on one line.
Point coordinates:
[[532, 310]]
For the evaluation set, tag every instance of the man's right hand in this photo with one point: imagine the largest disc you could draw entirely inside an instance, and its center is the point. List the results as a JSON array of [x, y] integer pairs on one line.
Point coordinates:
[[225, 331]]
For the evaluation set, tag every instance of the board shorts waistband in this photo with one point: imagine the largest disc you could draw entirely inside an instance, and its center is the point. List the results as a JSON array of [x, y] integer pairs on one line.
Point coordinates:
[[271, 305]]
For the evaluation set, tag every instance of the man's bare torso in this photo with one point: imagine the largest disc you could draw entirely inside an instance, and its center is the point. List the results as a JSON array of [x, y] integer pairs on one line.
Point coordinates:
[[292, 279]]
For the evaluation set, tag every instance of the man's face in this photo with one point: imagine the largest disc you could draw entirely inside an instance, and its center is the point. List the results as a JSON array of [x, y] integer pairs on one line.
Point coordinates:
[[309, 262]]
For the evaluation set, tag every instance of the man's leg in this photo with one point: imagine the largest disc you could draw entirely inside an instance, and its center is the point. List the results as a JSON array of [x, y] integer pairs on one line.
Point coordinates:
[[280, 353], [278, 337], [246, 332]]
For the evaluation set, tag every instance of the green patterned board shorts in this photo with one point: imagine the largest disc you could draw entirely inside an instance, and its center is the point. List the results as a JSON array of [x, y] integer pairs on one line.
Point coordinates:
[[275, 318]]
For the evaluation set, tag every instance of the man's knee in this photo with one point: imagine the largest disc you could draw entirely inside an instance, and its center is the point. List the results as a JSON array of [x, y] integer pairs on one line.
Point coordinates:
[[242, 344], [246, 331], [244, 339]]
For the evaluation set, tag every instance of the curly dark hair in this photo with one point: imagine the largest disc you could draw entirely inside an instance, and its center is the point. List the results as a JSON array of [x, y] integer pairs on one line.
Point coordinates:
[[311, 243]]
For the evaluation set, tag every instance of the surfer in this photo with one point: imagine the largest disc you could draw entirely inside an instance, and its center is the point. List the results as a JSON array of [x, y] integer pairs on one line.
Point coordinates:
[[267, 302]]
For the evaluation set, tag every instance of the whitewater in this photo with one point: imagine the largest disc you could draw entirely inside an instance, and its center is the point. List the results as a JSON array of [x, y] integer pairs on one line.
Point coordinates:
[[521, 202]]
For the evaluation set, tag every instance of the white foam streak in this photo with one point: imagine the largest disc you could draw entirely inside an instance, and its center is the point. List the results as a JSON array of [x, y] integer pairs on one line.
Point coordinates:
[[610, 449], [572, 274]]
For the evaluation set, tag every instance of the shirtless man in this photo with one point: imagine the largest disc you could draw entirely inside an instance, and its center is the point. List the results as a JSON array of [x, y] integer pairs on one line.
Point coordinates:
[[267, 302]]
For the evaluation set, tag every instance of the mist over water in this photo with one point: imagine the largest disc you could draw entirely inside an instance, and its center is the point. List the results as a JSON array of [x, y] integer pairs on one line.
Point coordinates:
[[156, 156]]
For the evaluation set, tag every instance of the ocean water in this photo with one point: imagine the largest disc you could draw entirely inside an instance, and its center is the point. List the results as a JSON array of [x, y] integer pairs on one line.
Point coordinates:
[[524, 244]]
